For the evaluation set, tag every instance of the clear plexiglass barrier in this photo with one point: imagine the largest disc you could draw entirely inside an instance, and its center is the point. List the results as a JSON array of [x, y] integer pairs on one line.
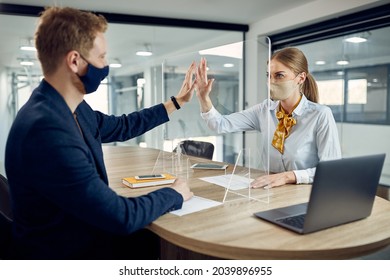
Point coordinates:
[[244, 151]]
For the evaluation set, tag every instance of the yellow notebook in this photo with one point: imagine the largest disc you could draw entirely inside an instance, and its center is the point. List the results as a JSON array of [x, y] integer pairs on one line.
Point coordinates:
[[132, 182]]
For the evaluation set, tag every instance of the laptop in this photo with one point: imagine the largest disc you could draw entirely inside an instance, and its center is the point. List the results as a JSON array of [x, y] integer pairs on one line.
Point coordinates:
[[343, 191]]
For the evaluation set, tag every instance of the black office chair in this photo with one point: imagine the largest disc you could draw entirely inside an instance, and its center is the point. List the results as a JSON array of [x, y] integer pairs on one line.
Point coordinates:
[[196, 148], [5, 219]]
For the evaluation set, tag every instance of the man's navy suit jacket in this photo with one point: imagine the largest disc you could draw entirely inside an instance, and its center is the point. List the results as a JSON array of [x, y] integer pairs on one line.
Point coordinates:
[[62, 205]]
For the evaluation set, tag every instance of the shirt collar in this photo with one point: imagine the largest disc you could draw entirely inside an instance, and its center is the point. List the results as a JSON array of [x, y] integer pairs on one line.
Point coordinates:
[[301, 106], [298, 110]]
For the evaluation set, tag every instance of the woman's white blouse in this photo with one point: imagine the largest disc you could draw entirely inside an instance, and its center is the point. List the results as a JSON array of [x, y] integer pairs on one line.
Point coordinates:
[[314, 138]]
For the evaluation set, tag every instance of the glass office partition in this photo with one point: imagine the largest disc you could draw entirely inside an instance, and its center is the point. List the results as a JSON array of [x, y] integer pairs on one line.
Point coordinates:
[[138, 83], [352, 72], [225, 65]]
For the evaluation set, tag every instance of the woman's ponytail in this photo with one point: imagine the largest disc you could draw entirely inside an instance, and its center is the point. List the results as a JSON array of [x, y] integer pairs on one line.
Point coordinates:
[[310, 88]]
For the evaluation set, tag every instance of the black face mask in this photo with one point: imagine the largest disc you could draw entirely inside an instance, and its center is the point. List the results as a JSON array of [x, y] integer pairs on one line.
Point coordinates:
[[92, 79]]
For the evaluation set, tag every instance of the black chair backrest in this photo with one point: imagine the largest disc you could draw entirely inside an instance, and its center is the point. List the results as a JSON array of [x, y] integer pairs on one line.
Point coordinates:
[[197, 148], [5, 198], [5, 219]]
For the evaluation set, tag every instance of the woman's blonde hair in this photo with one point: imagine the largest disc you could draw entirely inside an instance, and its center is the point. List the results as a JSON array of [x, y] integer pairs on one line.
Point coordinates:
[[294, 59], [61, 30]]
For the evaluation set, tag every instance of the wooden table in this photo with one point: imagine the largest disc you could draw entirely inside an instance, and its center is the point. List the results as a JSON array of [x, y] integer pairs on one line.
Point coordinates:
[[230, 231]]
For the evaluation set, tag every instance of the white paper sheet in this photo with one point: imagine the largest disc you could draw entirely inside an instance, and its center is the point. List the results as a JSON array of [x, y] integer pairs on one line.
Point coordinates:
[[237, 182], [195, 204]]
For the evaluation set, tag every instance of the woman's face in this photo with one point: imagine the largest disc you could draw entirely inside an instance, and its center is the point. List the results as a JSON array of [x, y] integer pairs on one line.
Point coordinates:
[[284, 83]]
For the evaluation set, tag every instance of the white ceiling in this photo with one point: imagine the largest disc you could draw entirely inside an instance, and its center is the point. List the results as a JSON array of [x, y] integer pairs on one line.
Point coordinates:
[[124, 40], [230, 11]]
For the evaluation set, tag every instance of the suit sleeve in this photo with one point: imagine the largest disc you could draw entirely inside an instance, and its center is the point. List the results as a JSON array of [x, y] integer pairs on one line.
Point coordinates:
[[122, 128]]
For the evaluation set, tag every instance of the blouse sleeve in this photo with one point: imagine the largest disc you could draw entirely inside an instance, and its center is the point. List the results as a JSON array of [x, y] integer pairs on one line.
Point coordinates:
[[328, 145], [239, 121]]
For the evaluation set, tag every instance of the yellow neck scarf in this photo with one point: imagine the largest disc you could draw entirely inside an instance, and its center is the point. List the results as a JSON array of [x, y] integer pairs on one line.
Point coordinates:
[[286, 122]]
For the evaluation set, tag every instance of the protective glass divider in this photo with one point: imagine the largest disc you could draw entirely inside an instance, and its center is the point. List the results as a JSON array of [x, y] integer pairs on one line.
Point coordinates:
[[238, 183], [172, 163], [246, 154]]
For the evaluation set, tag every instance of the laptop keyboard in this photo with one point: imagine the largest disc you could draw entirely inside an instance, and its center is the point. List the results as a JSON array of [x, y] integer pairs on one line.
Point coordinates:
[[295, 221]]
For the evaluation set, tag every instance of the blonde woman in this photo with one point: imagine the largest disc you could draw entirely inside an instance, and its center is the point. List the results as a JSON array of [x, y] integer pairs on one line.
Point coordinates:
[[305, 132]]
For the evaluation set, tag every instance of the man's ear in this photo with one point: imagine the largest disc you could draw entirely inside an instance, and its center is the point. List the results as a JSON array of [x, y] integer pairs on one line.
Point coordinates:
[[73, 61]]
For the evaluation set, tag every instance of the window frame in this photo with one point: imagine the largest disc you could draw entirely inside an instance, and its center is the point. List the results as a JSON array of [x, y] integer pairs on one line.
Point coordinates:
[[356, 22]]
